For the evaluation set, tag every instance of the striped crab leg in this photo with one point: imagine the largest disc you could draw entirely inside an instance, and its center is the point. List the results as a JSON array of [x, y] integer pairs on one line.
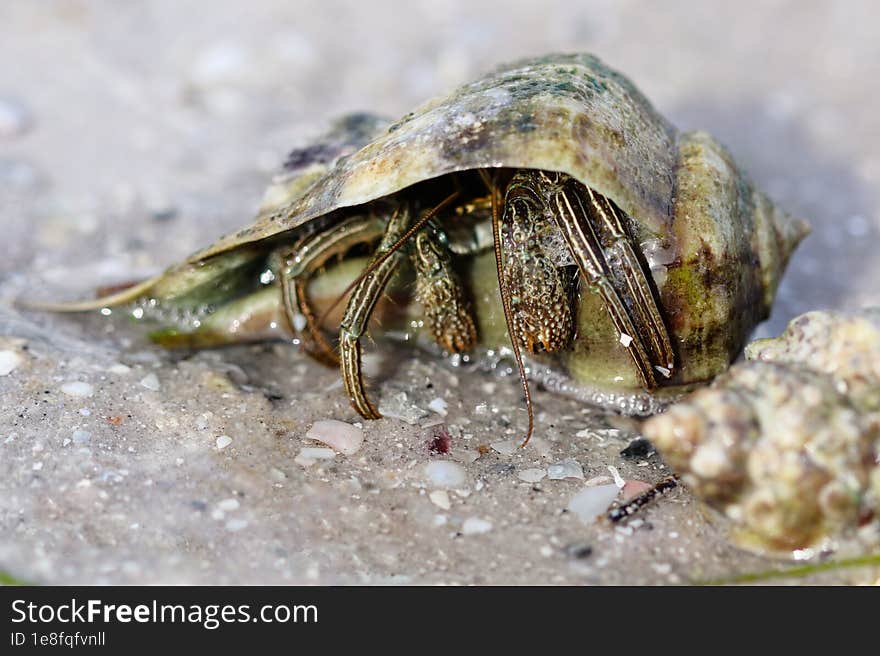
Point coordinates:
[[623, 284], [296, 268], [608, 220], [361, 303]]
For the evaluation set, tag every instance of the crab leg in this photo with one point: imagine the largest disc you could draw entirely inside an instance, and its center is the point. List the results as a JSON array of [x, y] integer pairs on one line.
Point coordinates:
[[506, 305], [574, 222], [441, 294], [607, 219], [540, 291], [309, 255], [360, 307]]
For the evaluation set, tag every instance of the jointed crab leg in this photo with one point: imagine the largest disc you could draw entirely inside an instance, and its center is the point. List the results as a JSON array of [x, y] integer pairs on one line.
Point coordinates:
[[309, 255], [441, 294], [505, 303], [568, 210], [380, 257], [539, 289], [295, 301], [607, 219], [360, 307]]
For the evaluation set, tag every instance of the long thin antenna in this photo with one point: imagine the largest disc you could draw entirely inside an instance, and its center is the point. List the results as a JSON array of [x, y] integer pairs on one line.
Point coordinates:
[[418, 225], [508, 316]]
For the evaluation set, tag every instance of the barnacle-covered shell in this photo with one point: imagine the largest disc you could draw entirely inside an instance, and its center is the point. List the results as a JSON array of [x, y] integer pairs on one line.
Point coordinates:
[[843, 345], [716, 246], [787, 445]]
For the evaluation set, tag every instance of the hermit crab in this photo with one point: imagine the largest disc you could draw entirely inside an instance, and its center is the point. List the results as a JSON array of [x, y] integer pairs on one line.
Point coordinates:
[[545, 211]]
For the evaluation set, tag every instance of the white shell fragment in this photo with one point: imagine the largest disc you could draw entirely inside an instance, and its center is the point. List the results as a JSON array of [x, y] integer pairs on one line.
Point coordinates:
[[618, 479], [9, 360], [666, 373], [77, 388], [475, 526], [223, 441], [151, 382], [445, 474], [441, 499], [592, 501], [531, 475], [228, 505], [343, 437], [568, 468], [439, 406], [308, 456]]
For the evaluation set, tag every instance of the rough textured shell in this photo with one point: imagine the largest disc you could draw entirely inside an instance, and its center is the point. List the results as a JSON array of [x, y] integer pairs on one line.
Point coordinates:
[[567, 113], [716, 247], [787, 445]]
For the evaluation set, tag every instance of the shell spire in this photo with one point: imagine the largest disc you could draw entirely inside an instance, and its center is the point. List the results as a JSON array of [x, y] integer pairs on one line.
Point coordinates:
[[778, 234]]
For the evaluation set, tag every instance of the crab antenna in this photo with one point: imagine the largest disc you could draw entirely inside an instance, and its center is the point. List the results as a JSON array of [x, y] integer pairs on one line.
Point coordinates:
[[418, 225], [505, 303]]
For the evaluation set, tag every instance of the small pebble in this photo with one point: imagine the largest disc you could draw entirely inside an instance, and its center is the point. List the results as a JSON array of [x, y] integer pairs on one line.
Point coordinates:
[[599, 480], [343, 437], [475, 526], [9, 360], [313, 453], [77, 388], [223, 441], [440, 498], [236, 524], [151, 382], [445, 474], [439, 406], [634, 488], [37, 466], [119, 369], [531, 475], [81, 437], [228, 504], [638, 448], [505, 448], [579, 550], [591, 502], [568, 468]]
